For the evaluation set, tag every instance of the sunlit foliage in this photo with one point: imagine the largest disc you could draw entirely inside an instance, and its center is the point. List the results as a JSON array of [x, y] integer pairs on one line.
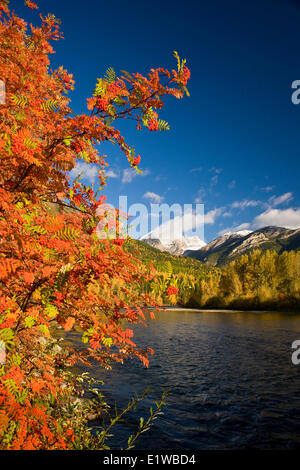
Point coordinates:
[[54, 270]]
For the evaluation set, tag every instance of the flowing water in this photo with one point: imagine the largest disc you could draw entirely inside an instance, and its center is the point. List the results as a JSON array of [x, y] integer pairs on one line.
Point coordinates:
[[231, 379]]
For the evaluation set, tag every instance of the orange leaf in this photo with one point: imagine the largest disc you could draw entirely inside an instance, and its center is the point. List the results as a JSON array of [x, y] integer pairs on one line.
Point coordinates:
[[28, 277], [69, 323]]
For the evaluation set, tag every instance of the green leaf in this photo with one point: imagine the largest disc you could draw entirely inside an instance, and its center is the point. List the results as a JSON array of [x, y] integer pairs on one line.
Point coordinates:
[[50, 105], [19, 100], [29, 322], [51, 311], [67, 141], [107, 342], [6, 335], [100, 87], [110, 75], [163, 125]]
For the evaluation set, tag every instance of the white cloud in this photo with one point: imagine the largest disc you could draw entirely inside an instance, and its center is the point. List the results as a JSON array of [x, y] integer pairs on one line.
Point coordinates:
[[112, 174], [289, 218], [200, 196], [244, 204], [130, 173], [216, 170], [160, 178], [153, 197], [232, 184], [184, 222], [214, 180], [88, 170], [210, 217], [275, 201], [267, 189], [195, 170], [238, 228]]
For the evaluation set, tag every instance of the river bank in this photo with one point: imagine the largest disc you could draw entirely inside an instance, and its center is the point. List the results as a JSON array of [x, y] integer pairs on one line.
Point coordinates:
[[185, 309]]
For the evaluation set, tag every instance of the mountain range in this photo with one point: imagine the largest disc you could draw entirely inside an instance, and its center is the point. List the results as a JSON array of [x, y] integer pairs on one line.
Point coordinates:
[[230, 245], [175, 247]]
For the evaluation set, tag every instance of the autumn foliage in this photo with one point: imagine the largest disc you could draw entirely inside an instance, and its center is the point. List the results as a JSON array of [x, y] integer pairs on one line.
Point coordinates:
[[54, 270]]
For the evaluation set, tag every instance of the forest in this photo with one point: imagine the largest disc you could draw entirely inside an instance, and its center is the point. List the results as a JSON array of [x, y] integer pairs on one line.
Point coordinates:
[[257, 280]]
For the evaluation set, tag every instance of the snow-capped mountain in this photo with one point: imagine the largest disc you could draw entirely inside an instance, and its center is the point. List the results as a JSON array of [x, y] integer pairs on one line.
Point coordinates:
[[226, 238], [233, 244], [175, 247], [241, 233], [229, 246]]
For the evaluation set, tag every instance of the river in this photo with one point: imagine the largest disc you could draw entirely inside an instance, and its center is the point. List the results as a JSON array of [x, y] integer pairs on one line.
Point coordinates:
[[231, 379]]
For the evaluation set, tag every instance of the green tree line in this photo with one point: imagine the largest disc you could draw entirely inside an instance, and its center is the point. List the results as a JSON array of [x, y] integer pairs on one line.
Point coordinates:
[[258, 280]]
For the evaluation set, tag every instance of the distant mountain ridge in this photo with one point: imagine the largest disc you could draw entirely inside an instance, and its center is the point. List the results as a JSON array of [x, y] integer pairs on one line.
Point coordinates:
[[175, 247], [149, 254], [231, 245]]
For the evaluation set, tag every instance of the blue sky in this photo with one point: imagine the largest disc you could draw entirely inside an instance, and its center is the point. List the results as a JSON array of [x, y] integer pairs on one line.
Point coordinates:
[[234, 143]]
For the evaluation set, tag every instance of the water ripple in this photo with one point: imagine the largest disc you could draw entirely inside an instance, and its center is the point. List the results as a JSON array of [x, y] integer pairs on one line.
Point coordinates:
[[231, 380]]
